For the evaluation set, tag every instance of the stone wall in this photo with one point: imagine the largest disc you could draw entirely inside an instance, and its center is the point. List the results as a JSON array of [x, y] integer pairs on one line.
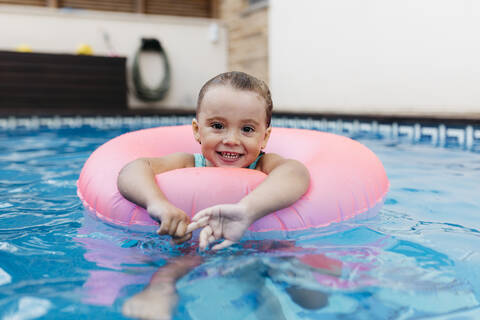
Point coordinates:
[[247, 27]]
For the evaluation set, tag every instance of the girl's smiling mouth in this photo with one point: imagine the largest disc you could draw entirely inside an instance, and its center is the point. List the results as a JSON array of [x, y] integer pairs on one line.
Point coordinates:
[[229, 156]]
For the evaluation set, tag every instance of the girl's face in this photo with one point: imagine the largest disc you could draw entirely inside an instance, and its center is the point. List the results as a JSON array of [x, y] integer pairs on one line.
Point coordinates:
[[231, 127]]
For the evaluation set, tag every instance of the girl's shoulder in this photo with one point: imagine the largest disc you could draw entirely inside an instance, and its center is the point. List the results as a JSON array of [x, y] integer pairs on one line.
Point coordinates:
[[269, 161], [183, 159], [172, 161]]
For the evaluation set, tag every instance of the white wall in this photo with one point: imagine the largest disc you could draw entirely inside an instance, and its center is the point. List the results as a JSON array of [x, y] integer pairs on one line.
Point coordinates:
[[194, 57], [399, 57]]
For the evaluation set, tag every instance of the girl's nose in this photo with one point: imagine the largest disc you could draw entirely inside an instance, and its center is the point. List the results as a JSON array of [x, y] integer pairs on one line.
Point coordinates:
[[230, 138]]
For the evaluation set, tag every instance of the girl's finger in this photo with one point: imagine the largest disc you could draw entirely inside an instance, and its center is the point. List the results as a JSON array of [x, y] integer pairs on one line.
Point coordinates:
[[186, 237], [200, 214], [181, 229], [203, 237], [211, 239], [222, 245], [194, 225], [172, 229], [208, 212], [164, 226]]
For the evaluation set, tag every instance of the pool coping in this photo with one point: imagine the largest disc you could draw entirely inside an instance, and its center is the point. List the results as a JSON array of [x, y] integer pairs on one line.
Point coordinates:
[[460, 135], [467, 118]]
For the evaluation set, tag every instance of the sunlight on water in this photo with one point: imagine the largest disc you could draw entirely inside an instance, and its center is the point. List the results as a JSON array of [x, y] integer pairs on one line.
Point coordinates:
[[417, 259]]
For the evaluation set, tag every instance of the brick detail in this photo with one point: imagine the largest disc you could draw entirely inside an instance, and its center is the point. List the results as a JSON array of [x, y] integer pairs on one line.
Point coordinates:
[[248, 37]]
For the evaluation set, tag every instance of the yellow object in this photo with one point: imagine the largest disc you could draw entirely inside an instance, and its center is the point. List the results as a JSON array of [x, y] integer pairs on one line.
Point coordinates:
[[84, 49], [24, 48]]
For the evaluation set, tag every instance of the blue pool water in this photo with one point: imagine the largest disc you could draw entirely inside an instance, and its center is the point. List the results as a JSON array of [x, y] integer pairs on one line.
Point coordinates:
[[418, 259]]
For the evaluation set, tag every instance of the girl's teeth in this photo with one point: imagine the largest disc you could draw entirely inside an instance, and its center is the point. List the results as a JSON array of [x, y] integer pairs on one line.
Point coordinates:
[[230, 155]]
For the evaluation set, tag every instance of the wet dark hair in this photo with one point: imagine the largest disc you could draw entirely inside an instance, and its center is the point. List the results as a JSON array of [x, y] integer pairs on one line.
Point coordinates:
[[241, 81]]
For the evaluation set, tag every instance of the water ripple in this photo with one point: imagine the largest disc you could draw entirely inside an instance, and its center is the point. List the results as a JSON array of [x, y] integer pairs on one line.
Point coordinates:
[[417, 259]]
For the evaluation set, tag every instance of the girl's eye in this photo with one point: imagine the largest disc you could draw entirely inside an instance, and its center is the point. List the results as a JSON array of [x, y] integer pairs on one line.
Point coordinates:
[[248, 129], [217, 125]]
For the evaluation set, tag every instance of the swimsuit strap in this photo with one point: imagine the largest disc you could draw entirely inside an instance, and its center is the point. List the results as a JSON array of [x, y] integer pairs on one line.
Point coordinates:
[[254, 163], [201, 162]]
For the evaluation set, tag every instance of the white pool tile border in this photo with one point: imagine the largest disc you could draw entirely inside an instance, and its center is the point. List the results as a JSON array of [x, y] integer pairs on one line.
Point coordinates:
[[465, 137], [34, 123]]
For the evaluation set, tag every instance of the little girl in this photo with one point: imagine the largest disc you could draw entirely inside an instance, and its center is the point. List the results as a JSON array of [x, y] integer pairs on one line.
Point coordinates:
[[232, 125]]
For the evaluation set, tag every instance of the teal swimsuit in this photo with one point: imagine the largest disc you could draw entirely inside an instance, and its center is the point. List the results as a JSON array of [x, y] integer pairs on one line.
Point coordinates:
[[200, 160]]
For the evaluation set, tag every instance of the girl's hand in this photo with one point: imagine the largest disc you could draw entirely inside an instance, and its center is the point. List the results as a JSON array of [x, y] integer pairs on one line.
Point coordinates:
[[226, 221], [173, 221]]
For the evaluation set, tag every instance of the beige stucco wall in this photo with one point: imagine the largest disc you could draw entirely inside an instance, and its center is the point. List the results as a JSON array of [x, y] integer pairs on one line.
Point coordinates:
[[197, 47], [376, 57], [247, 28]]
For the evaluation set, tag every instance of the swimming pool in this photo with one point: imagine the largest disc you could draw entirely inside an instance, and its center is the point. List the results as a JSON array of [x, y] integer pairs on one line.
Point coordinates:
[[417, 259]]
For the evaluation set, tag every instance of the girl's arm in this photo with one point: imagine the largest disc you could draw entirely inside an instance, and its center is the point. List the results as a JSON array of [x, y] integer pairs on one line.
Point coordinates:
[[136, 182], [287, 181]]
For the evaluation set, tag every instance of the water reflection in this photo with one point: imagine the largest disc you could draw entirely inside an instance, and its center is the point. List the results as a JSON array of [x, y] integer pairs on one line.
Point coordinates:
[[318, 273]]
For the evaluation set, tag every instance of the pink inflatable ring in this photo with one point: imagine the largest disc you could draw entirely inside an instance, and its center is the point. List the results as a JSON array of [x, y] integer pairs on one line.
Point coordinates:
[[347, 179]]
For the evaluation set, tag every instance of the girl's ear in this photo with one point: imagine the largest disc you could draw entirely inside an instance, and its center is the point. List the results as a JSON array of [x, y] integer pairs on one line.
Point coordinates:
[[267, 136], [196, 130]]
